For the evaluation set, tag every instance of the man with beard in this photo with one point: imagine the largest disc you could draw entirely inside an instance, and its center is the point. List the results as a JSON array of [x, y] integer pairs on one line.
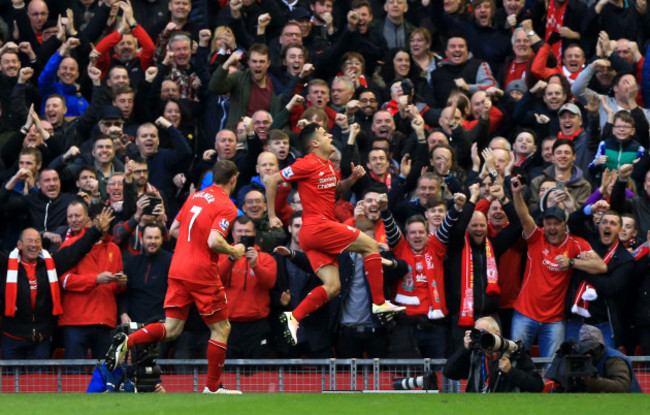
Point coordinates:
[[251, 89], [472, 280], [502, 220], [145, 290], [368, 106], [553, 255]]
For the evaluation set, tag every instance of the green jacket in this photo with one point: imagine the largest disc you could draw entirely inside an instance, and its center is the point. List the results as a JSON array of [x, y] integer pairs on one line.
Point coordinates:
[[238, 84]]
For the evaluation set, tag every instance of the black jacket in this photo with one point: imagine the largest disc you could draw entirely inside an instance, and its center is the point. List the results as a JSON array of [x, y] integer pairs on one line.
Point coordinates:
[[145, 291], [39, 323], [467, 364]]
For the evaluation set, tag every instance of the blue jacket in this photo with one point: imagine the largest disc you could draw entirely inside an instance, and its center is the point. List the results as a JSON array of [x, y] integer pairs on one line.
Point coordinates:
[[48, 85]]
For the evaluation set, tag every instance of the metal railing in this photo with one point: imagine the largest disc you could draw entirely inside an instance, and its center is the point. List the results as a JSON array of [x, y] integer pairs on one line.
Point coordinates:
[[272, 375]]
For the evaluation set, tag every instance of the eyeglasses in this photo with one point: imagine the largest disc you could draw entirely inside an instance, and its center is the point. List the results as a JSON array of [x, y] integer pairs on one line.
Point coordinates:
[[353, 63], [367, 100]]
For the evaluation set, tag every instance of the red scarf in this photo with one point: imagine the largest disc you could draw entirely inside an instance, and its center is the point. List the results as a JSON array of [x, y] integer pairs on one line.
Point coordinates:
[[571, 77], [386, 181], [467, 274], [569, 137], [11, 292], [586, 292], [641, 251], [554, 21]]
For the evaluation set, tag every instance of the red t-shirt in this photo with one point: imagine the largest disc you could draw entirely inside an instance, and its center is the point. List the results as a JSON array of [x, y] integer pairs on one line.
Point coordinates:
[[544, 286], [260, 98], [317, 182], [30, 270], [193, 260], [425, 268]]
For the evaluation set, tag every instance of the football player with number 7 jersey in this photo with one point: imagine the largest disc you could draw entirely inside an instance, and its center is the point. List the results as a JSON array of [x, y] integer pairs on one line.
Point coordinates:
[[201, 228]]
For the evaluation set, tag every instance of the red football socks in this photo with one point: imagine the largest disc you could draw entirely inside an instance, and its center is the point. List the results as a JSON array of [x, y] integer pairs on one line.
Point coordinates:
[[216, 356], [148, 334], [314, 300], [375, 277]]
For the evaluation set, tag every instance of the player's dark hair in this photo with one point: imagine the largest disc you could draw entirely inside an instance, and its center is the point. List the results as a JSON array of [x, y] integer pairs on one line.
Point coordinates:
[[223, 171], [307, 136]]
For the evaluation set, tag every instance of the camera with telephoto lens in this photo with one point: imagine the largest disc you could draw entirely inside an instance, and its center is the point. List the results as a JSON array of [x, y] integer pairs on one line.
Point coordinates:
[[485, 341], [571, 364], [142, 369]]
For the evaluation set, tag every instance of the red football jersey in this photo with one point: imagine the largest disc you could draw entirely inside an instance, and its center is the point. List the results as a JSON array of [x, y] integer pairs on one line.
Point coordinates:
[[317, 182], [544, 287], [209, 209]]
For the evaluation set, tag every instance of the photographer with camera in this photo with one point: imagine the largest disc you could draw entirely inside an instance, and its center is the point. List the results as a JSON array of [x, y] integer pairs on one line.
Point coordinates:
[[491, 363], [248, 281], [590, 366], [138, 371]]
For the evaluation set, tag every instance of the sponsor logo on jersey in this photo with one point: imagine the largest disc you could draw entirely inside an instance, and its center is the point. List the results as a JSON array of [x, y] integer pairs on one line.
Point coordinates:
[[287, 172]]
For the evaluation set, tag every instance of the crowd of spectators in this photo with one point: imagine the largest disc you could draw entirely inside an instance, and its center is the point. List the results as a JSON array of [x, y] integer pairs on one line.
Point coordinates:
[[496, 151]]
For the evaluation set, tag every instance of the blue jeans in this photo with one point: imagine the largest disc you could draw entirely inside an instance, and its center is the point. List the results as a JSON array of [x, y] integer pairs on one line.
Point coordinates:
[[14, 349], [78, 339], [550, 335], [573, 331], [432, 343]]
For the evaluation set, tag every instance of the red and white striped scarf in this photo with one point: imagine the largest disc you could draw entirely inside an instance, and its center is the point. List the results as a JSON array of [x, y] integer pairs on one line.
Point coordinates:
[[11, 292], [467, 274], [586, 292]]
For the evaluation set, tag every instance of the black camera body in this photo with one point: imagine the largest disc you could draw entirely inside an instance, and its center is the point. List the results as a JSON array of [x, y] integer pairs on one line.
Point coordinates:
[[247, 241], [485, 341], [571, 365], [142, 370], [153, 202]]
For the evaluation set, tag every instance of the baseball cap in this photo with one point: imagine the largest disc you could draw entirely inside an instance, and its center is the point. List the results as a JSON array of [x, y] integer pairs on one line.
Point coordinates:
[[111, 112], [572, 108], [555, 212], [517, 85], [299, 13]]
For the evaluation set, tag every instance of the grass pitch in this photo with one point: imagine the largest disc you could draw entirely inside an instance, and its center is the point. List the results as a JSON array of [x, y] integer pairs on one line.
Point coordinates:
[[316, 404]]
